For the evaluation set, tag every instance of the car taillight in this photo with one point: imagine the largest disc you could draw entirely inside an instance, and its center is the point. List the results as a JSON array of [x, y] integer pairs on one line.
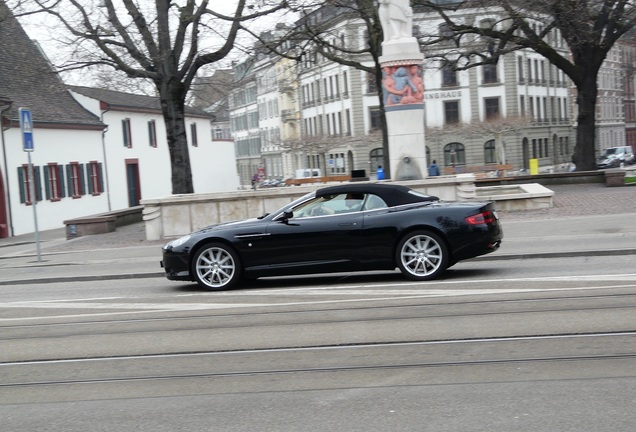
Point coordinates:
[[481, 218]]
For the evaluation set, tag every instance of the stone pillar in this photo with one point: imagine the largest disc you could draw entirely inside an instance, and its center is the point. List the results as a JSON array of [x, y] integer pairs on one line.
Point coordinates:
[[403, 91], [615, 177]]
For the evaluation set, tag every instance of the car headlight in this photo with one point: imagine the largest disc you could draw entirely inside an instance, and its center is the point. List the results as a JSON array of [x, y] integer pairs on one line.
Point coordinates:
[[177, 242]]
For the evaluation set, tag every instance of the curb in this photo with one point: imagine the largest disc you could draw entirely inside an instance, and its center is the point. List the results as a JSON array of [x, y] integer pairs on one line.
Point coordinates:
[[161, 274], [570, 254], [59, 279]]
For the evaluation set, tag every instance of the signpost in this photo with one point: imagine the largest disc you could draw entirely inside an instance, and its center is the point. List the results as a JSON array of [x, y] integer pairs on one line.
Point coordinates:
[[26, 127]]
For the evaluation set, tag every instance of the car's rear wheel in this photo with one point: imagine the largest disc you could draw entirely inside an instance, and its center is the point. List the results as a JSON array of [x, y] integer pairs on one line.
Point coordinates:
[[422, 255], [216, 267]]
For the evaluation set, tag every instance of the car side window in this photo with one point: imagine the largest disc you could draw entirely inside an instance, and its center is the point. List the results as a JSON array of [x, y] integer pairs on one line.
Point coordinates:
[[314, 207], [331, 204], [374, 202]]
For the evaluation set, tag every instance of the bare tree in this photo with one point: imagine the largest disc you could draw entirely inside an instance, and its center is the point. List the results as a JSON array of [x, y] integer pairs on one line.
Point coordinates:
[[590, 30], [164, 41], [318, 34]]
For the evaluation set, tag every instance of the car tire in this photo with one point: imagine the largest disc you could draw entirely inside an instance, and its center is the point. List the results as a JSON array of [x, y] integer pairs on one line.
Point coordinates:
[[216, 267], [422, 255]]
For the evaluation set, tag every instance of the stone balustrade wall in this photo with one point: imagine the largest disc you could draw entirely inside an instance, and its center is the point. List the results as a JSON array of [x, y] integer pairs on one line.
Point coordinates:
[[176, 215]]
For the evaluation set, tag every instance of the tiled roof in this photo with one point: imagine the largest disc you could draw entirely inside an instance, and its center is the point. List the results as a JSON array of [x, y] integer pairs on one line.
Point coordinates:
[[130, 102], [28, 80]]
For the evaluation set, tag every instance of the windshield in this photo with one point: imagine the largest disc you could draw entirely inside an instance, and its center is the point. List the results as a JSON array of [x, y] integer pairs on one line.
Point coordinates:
[[610, 151]]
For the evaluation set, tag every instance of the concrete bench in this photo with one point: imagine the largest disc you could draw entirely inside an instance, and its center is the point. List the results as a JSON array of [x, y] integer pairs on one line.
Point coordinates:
[[102, 223]]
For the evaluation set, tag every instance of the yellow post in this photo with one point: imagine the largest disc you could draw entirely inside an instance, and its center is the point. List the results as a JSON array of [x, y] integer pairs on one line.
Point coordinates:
[[534, 166]]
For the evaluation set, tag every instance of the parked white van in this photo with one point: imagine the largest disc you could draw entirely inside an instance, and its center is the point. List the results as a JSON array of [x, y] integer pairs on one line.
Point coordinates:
[[308, 172], [613, 157]]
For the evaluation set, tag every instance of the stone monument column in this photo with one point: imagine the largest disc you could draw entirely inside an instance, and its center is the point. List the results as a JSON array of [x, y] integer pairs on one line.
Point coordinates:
[[403, 91]]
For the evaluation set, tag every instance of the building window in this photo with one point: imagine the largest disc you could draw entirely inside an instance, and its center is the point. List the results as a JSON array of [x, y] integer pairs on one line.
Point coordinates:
[[375, 118], [152, 133], [451, 112], [345, 84], [490, 73], [337, 162], [490, 152], [531, 106], [125, 124], [193, 135], [454, 154], [449, 76], [24, 178], [75, 180], [53, 182], [95, 178], [520, 69], [446, 35], [491, 106]]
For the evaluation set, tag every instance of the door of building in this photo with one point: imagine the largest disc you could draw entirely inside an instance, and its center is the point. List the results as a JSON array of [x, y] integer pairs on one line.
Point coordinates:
[[132, 180]]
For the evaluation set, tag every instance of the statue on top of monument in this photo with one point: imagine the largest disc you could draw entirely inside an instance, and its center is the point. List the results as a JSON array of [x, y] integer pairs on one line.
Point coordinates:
[[396, 17]]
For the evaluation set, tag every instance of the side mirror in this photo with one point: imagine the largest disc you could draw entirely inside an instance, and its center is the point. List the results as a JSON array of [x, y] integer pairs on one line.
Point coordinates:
[[287, 216]]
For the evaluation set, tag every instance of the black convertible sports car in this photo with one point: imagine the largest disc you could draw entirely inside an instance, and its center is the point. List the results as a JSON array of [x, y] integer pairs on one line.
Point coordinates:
[[344, 228]]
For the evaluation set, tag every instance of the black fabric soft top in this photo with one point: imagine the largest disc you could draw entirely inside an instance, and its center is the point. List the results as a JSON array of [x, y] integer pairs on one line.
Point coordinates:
[[392, 194]]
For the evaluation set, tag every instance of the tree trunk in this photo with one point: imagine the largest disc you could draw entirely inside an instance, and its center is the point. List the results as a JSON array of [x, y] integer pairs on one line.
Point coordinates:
[[584, 151], [173, 108]]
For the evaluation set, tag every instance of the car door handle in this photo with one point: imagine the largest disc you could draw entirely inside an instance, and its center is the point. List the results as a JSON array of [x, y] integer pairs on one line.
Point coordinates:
[[347, 224]]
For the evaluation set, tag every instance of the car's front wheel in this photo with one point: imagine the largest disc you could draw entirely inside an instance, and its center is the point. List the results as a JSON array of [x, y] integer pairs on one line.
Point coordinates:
[[216, 267], [422, 255]]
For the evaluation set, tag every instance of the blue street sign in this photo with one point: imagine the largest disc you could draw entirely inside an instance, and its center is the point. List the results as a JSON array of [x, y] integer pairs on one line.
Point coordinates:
[[26, 126]]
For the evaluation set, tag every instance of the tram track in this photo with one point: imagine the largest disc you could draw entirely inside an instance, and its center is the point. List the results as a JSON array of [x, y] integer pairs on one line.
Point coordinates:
[[353, 313], [225, 364]]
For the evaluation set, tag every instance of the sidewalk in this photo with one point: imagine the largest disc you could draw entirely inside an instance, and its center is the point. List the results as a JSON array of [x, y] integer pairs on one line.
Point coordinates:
[[587, 219]]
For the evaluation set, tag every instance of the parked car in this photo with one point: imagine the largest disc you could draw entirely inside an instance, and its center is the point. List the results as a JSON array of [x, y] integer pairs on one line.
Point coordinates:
[[613, 157], [351, 227], [269, 183]]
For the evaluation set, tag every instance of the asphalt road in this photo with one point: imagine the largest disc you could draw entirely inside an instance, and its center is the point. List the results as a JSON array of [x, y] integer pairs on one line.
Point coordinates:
[[542, 344]]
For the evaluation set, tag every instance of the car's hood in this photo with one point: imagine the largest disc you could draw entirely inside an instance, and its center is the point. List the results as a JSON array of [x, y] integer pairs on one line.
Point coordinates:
[[607, 158], [230, 224]]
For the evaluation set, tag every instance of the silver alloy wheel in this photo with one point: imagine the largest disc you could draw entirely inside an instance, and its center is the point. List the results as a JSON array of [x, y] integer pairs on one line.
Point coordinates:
[[422, 256], [215, 267]]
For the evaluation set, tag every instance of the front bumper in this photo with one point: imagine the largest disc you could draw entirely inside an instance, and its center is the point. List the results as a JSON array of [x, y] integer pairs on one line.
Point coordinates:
[[176, 266]]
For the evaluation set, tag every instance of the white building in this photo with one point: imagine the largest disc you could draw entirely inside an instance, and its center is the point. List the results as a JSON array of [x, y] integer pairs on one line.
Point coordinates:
[[67, 156], [94, 150], [137, 156]]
